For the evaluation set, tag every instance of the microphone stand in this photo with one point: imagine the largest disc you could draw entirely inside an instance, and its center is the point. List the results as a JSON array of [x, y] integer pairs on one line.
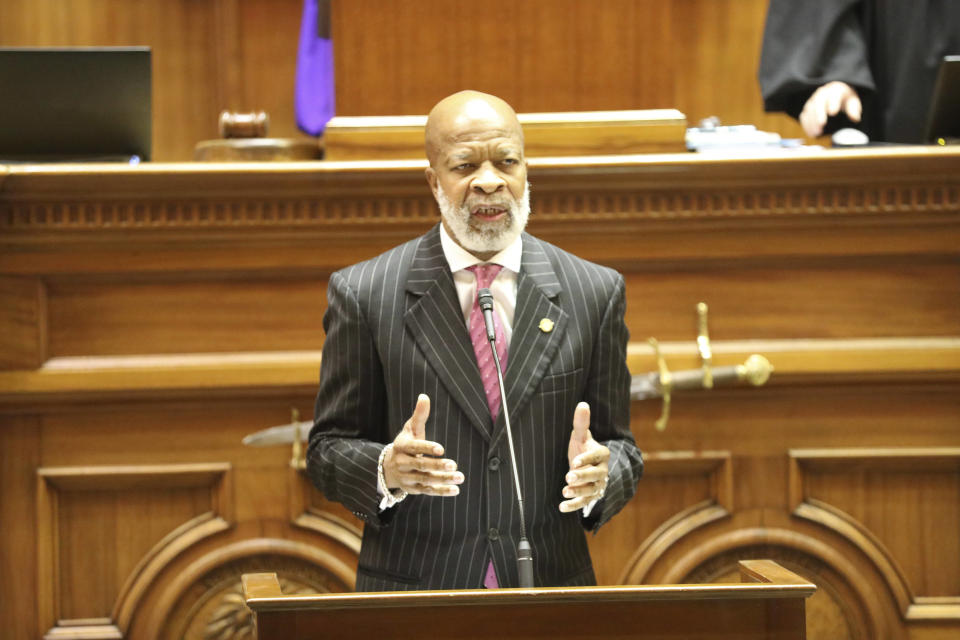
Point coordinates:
[[524, 550]]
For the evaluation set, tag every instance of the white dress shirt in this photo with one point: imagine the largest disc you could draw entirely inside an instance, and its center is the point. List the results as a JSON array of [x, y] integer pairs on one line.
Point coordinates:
[[503, 287]]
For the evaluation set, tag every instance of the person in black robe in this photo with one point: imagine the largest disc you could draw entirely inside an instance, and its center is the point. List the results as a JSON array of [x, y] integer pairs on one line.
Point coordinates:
[[867, 64]]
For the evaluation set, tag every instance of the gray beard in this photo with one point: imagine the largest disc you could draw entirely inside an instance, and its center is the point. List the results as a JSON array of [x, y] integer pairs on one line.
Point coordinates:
[[479, 238]]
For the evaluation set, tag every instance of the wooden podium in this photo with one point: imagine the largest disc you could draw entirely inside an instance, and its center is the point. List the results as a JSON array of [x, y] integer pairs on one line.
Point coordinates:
[[768, 603]]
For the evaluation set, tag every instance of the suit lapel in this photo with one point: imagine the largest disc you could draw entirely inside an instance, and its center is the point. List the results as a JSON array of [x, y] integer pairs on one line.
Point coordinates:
[[532, 348], [435, 320]]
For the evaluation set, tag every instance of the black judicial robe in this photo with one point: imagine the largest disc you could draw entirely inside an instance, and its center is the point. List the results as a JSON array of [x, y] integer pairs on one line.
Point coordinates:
[[888, 50]]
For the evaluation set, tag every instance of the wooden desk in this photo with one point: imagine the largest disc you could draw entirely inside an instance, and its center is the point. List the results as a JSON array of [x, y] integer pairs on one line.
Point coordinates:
[[152, 316], [767, 604]]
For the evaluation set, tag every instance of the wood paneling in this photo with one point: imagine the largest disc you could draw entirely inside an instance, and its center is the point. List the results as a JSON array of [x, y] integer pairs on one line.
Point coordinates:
[[568, 54], [831, 299], [699, 56], [208, 55], [907, 499], [184, 312], [681, 490], [23, 337], [395, 57], [184, 317], [20, 451], [103, 528]]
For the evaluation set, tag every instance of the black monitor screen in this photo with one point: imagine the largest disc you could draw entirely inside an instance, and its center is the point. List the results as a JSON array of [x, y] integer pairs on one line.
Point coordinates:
[[944, 117], [75, 104]]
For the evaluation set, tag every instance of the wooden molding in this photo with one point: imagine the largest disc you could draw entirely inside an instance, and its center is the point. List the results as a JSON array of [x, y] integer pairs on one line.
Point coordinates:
[[842, 524], [715, 464], [71, 379], [52, 481], [768, 571], [306, 516], [758, 535], [921, 460], [106, 203], [814, 359], [879, 458], [261, 585], [207, 375], [797, 541], [23, 323], [519, 597], [162, 555], [666, 535], [157, 617], [930, 609], [120, 478], [94, 629], [576, 133]]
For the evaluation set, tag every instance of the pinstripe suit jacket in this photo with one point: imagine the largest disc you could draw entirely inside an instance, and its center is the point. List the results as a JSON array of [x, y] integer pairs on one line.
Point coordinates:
[[395, 329]]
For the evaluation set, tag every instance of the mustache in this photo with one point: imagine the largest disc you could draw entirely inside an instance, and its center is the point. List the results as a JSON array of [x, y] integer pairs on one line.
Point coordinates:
[[500, 203]]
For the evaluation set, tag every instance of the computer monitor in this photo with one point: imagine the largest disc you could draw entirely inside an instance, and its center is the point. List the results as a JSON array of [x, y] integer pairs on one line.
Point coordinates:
[[75, 104], [943, 120]]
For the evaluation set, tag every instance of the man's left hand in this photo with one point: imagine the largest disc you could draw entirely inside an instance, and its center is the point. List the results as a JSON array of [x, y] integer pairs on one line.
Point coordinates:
[[587, 478]]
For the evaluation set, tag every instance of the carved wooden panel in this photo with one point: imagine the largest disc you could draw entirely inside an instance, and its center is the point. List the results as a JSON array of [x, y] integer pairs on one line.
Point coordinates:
[[104, 532], [210, 606], [189, 314], [832, 612], [23, 338], [311, 510], [900, 506], [681, 491], [167, 532], [184, 311], [20, 454], [824, 298], [627, 189]]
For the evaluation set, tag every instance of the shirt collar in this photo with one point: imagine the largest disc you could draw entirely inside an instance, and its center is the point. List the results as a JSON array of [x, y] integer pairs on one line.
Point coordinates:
[[459, 258]]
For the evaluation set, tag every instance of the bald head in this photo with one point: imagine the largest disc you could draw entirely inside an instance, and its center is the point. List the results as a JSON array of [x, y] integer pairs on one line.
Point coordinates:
[[477, 172], [463, 114]]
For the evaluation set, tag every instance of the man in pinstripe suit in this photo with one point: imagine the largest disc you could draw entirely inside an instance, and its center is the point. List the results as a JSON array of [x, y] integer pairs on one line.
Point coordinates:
[[403, 433]]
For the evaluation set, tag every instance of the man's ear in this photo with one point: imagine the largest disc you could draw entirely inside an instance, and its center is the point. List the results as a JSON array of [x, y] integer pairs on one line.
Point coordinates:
[[431, 178]]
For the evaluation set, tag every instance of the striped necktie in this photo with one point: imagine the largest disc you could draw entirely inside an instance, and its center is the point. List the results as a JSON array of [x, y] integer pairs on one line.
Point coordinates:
[[481, 346], [485, 274]]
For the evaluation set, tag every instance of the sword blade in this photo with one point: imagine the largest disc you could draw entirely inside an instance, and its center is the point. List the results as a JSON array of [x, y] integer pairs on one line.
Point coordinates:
[[282, 434]]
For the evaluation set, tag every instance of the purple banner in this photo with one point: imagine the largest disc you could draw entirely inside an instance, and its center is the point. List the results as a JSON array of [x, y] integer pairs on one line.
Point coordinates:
[[314, 102]]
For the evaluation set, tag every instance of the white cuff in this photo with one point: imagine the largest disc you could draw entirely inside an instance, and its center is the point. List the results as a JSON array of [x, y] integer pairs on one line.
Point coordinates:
[[587, 509], [389, 497]]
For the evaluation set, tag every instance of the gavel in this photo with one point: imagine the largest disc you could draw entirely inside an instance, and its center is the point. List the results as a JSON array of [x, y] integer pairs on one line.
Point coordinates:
[[244, 125]]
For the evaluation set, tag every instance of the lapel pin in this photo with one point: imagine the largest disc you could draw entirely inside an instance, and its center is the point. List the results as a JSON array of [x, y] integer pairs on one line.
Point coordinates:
[[546, 325]]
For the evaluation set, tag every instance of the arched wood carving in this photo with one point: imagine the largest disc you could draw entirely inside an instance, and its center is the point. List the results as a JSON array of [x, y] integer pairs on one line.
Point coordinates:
[[206, 602], [67, 519], [926, 473], [848, 605]]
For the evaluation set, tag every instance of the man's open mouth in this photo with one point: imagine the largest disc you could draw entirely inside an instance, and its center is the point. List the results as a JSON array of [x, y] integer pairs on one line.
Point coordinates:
[[488, 212]]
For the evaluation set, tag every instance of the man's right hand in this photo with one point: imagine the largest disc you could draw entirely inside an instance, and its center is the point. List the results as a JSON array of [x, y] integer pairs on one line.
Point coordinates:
[[415, 463], [827, 101]]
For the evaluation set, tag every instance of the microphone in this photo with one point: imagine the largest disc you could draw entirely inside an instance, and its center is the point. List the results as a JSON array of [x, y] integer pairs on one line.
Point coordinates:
[[524, 550]]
